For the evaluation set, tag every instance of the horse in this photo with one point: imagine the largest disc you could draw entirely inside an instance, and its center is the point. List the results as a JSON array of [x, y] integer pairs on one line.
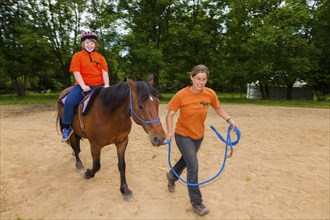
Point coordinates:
[[107, 120]]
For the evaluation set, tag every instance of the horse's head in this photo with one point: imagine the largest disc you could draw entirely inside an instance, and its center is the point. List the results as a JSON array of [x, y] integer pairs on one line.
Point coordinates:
[[144, 105]]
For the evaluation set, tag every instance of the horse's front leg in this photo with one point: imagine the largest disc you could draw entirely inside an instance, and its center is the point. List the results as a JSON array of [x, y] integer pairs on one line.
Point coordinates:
[[126, 192], [96, 154]]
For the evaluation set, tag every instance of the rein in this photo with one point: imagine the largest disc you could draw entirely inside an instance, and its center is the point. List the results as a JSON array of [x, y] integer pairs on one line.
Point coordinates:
[[228, 143], [133, 114]]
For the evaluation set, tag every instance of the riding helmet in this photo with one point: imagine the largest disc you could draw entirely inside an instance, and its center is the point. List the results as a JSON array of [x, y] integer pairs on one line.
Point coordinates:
[[88, 35]]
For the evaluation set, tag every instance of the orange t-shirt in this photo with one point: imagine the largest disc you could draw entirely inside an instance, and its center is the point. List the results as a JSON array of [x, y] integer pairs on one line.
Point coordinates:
[[90, 67], [193, 110]]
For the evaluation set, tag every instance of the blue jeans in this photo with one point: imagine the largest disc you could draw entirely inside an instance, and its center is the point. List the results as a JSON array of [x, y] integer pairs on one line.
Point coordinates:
[[189, 148], [72, 100]]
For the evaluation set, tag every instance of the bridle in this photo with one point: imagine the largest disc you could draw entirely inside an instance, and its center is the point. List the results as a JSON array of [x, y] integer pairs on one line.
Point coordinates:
[[133, 114]]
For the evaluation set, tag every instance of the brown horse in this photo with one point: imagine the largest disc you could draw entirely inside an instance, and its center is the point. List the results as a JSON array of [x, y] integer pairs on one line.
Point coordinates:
[[108, 121]]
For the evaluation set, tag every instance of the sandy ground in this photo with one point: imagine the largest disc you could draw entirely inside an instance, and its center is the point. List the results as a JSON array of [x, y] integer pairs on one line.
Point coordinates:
[[279, 170]]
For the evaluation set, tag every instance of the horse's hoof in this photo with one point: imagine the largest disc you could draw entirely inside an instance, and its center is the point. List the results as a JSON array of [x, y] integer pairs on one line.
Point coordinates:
[[88, 174], [129, 197], [79, 166]]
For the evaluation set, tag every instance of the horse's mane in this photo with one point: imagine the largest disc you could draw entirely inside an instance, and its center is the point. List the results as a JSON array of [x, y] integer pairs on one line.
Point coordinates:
[[144, 91], [115, 95]]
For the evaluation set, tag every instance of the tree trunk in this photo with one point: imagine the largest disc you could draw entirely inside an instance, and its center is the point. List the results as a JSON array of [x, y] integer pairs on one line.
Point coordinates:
[[262, 91], [267, 94], [289, 91], [20, 90]]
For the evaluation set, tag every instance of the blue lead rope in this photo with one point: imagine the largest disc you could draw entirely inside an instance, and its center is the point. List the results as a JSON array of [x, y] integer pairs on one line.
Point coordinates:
[[228, 143]]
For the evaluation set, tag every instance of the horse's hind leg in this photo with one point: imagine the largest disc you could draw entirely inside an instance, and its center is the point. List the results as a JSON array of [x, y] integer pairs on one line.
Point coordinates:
[[96, 154], [126, 192], [75, 144]]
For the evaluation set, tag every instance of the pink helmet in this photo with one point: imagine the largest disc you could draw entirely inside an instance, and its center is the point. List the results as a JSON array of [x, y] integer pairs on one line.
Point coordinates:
[[88, 35]]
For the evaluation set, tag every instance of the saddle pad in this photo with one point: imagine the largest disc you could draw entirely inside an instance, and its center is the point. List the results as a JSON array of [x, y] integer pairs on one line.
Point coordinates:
[[83, 103]]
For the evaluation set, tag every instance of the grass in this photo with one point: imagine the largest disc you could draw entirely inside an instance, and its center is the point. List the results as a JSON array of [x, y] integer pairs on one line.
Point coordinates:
[[235, 98], [19, 218], [32, 98], [226, 98]]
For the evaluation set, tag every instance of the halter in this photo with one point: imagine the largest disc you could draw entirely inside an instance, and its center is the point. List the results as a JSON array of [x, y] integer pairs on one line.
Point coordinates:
[[228, 143], [134, 114]]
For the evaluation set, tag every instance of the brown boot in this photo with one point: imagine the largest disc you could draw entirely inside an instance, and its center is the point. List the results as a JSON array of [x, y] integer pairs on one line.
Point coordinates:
[[200, 209], [171, 182]]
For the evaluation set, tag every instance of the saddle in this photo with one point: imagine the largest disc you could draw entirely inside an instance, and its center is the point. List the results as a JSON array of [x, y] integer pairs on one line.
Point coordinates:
[[84, 105]]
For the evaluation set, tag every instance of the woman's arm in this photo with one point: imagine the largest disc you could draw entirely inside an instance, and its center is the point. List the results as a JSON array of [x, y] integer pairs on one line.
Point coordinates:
[[223, 114], [169, 124]]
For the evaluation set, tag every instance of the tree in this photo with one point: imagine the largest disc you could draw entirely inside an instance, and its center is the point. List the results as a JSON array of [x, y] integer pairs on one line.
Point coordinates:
[[319, 76], [59, 22], [23, 51], [147, 22], [274, 42], [105, 19], [292, 51], [278, 45], [235, 59]]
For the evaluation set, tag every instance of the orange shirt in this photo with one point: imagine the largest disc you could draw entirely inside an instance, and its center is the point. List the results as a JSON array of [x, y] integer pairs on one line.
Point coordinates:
[[193, 110], [91, 71]]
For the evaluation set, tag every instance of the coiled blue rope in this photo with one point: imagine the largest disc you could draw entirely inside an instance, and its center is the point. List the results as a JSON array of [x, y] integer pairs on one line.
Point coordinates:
[[228, 143]]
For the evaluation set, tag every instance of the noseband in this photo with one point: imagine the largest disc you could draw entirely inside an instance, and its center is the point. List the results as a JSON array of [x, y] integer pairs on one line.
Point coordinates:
[[133, 114]]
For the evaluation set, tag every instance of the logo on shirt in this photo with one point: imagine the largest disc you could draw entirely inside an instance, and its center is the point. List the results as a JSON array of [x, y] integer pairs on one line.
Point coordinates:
[[205, 104]]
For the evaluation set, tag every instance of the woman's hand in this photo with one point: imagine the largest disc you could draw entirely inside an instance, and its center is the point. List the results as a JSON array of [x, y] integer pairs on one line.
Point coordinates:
[[169, 136], [232, 123]]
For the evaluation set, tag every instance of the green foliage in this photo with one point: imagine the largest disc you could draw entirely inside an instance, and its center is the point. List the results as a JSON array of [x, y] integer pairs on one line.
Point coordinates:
[[319, 76], [23, 51], [273, 42]]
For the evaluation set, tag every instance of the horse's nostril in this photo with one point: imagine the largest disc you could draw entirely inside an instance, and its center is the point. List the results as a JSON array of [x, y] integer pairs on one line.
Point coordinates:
[[156, 141]]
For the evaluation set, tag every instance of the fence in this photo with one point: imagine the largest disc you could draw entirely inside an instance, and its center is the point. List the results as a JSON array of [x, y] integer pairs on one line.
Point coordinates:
[[279, 93]]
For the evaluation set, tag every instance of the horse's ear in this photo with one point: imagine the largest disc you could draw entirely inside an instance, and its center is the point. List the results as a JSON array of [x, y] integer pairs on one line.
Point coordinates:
[[131, 84], [150, 80]]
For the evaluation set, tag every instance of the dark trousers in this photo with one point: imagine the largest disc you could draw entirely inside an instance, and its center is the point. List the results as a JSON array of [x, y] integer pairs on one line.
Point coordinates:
[[73, 99], [189, 148]]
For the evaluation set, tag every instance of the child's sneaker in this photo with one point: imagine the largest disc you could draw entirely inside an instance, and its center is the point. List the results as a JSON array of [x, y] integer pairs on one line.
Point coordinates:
[[66, 134]]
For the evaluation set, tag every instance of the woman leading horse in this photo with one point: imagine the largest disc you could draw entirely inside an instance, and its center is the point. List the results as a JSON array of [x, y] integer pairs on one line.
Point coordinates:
[[107, 120]]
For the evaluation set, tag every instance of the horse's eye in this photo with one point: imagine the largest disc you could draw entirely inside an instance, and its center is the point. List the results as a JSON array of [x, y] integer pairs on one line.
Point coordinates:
[[140, 107]]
